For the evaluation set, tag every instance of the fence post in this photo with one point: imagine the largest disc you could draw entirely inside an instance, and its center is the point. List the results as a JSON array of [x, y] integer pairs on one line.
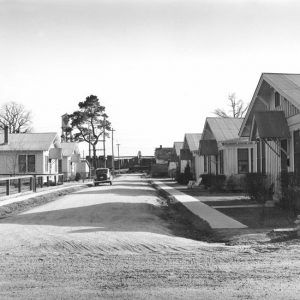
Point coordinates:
[[19, 185], [7, 187], [34, 183], [31, 183]]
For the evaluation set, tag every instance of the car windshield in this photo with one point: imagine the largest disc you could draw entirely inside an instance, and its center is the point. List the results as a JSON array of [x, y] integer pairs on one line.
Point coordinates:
[[101, 171]]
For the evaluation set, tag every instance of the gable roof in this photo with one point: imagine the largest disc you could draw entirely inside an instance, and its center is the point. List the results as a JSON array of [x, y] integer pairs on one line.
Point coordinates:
[[192, 140], [177, 147], [223, 128], [288, 85], [69, 148], [29, 141]]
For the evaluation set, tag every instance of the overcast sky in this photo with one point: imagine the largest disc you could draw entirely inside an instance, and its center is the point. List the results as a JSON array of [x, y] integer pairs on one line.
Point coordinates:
[[159, 67]]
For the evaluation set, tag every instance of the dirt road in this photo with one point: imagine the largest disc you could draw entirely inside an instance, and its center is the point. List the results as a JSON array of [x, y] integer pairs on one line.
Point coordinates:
[[114, 242]]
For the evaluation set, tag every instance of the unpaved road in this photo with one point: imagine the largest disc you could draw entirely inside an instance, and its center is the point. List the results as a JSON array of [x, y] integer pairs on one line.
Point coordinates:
[[113, 242]]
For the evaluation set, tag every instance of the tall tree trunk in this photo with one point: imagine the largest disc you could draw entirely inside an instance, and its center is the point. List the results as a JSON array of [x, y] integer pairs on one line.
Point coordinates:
[[94, 157]]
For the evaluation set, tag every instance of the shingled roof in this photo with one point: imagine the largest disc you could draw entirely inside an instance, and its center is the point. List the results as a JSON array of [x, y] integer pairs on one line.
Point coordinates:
[[29, 141]]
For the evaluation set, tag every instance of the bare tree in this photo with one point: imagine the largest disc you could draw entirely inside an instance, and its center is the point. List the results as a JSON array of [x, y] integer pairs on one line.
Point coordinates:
[[16, 117], [237, 108]]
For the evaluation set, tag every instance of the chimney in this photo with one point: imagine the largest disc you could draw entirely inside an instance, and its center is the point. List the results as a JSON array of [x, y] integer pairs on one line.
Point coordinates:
[[5, 134]]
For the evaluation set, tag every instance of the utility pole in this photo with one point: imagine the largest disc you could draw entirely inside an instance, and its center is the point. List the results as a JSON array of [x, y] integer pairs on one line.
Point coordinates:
[[119, 156], [104, 155], [112, 152], [90, 160]]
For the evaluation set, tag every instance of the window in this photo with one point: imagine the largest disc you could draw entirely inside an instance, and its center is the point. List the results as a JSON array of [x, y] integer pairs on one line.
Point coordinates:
[[243, 161], [31, 163], [277, 99], [60, 166], [22, 163], [221, 154], [26, 163]]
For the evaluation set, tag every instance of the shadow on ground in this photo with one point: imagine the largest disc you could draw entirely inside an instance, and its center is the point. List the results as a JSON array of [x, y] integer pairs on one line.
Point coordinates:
[[120, 191], [107, 216]]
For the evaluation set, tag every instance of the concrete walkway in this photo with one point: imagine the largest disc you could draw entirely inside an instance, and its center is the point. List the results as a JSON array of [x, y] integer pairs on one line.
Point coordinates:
[[27, 195], [216, 219]]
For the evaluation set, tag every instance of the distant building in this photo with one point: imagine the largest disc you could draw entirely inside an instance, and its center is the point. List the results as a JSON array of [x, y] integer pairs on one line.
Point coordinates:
[[163, 156]]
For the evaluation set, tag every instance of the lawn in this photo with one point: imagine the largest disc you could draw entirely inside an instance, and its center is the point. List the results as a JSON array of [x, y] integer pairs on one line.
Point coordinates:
[[254, 217]]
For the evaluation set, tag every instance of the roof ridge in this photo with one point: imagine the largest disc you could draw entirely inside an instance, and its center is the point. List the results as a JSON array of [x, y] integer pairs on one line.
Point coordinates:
[[34, 133], [274, 73]]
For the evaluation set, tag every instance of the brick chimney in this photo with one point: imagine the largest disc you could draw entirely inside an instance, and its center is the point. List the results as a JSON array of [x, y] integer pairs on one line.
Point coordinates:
[[5, 134]]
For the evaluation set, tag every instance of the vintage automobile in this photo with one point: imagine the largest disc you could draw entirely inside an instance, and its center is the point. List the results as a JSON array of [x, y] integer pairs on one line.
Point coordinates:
[[102, 175]]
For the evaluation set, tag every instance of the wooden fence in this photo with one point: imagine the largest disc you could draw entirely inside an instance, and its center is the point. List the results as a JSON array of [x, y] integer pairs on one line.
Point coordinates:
[[10, 185]]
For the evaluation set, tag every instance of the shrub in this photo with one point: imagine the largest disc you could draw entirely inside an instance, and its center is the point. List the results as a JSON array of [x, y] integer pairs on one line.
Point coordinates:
[[182, 178], [213, 182], [257, 187], [290, 191], [231, 183], [77, 176], [235, 183]]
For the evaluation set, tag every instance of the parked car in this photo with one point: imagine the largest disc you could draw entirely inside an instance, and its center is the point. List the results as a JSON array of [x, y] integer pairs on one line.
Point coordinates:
[[102, 175]]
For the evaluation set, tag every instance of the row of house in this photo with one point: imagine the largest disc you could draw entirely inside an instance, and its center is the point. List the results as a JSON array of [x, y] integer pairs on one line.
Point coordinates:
[[39, 153], [266, 141]]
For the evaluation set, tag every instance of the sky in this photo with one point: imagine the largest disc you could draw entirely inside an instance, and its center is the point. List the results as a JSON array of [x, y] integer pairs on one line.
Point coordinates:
[[159, 67]]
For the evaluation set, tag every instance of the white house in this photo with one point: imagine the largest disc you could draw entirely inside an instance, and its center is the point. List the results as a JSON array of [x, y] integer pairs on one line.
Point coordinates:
[[70, 159], [190, 154], [175, 159], [29, 153], [223, 151], [273, 122]]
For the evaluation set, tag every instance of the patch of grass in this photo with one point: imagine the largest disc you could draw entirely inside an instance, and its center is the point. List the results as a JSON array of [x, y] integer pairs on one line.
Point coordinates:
[[230, 202], [183, 222], [200, 192], [254, 217]]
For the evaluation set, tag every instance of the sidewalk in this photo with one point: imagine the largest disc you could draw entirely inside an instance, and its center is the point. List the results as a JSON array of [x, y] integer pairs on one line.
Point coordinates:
[[216, 219], [27, 195]]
